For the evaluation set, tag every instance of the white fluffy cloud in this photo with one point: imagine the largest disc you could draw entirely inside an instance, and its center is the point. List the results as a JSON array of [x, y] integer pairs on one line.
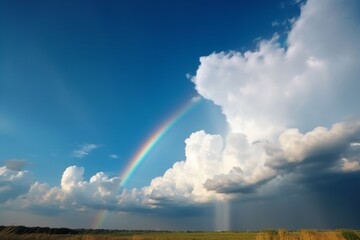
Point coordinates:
[[268, 96], [183, 182], [209, 165], [309, 82], [100, 192], [296, 146]]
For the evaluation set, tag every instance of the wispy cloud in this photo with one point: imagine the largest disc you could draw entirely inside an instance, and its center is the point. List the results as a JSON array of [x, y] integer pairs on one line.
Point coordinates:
[[113, 156], [196, 98], [84, 150]]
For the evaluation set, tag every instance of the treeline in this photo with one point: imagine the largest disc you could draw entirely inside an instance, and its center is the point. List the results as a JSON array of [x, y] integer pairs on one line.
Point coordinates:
[[47, 230], [67, 231]]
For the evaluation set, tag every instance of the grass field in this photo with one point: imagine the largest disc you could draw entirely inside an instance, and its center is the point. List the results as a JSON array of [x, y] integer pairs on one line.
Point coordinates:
[[9, 233]]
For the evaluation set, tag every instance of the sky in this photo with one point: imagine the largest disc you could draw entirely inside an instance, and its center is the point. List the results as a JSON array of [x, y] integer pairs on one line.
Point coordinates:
[[180, 115]]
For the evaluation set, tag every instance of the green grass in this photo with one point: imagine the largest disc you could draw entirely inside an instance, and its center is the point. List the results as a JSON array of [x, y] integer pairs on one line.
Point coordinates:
[[9, 233]]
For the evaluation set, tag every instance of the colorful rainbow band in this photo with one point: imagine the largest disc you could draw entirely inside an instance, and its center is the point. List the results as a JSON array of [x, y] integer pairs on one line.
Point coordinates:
[[154, 138]]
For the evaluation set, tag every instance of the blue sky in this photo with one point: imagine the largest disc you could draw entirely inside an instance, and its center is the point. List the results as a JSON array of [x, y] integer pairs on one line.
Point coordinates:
[[110, 73], [84, 83]]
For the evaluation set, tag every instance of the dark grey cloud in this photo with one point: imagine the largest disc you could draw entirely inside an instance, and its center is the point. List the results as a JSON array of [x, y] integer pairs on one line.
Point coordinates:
[[233, 183], [15, 164], [11, 190]]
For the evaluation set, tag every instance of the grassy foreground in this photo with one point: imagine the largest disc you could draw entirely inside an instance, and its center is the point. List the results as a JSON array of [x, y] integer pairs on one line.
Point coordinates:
[[10, 233]]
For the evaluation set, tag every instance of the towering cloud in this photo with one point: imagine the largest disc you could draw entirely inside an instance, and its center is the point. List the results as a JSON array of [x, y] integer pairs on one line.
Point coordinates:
[[271, 95]]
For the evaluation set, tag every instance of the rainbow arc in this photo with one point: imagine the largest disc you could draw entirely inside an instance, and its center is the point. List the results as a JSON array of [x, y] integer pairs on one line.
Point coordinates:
[[146, 147]]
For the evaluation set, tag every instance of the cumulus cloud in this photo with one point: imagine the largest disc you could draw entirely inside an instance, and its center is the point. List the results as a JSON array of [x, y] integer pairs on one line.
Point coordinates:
[[306, 83], [84, 150], [238, 167], [183, 183], [41, 198], [333, 144], [99, 192], [269, 96], [73, 193], [13, 183]]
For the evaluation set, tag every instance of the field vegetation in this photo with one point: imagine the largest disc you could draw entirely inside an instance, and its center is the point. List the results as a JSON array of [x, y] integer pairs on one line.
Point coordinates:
[[38, 233]]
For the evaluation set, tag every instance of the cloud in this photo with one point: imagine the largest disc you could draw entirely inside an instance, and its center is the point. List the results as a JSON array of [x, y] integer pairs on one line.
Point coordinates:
[[183, 183], [99, 192], [350, 166], [74, 193], [268, 97], [71, 178], [13, 183], [307, 83], [15, 164], [235, 182], [196, 98], [41, 199], [84, 150], [113, 156], [333, 144]]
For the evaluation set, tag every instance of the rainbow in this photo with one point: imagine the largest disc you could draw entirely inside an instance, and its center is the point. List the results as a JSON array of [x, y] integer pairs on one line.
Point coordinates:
[[99, 219], [146, 147], [154, 138]]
